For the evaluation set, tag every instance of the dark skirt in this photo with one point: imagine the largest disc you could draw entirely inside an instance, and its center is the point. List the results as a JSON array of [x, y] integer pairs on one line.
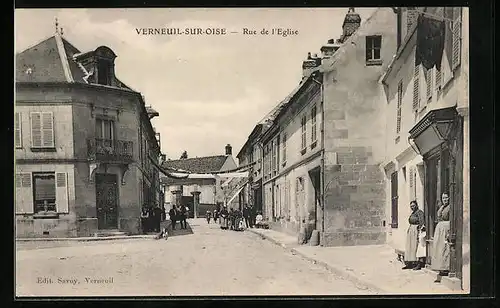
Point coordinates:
[[411, 243]]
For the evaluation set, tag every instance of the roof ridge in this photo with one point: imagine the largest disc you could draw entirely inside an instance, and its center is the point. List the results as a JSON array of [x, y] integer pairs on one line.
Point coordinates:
[[201, 157], [64, 58]]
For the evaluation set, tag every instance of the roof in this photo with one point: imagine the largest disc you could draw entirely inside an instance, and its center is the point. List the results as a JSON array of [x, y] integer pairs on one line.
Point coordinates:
[[53, 60], [198, 164]]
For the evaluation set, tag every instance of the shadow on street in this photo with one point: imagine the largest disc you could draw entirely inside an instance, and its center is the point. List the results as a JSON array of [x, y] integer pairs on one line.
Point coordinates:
[[178, 231]]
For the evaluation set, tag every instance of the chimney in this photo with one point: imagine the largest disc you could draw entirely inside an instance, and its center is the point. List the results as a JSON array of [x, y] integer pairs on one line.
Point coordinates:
[[352, 21], [311, 63], [329, 48], [229, 149]]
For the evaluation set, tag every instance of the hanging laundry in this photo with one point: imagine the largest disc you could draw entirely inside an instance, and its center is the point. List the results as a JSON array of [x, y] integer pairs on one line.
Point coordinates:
[[430, 42]]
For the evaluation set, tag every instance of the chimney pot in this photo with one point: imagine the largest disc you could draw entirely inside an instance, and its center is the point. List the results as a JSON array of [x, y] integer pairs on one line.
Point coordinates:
[[229, 149], [331, 41], [309, 55]]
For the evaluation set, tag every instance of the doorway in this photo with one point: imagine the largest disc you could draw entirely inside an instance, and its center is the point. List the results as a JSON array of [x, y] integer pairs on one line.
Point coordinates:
[[107, 201], [315, 176]]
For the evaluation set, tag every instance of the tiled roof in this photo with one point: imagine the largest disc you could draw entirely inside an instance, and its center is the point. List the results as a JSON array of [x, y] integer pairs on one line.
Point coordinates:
[[48, 62], [197, 164]]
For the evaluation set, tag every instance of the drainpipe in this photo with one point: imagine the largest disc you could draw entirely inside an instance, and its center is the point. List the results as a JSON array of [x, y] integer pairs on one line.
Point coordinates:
[[322, 149]]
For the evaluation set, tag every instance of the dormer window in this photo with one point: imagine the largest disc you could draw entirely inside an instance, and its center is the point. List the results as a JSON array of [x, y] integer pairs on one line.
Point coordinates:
[[104, 75]]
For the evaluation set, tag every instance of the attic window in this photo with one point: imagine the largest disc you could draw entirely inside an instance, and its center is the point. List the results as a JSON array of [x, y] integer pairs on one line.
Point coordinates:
[[104, 74]]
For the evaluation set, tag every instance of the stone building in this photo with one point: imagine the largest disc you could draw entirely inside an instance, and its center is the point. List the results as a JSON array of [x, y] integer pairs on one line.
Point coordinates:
[[83, 144], [427, 128], [324, 143], [207, 187], [354, 130]]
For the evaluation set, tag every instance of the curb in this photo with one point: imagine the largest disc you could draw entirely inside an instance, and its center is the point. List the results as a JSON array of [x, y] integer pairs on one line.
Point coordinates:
[[335, 270], [85, 239]]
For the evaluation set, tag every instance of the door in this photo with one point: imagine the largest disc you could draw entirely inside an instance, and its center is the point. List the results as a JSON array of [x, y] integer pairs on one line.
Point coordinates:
[[315, 179], [107, 201]]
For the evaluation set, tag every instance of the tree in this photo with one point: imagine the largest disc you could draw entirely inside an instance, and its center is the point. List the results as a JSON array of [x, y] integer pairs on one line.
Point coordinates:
[[184, 155]]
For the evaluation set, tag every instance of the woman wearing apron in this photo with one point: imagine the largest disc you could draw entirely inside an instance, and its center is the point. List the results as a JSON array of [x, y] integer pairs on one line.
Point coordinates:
[[440, 260], [416, 221]]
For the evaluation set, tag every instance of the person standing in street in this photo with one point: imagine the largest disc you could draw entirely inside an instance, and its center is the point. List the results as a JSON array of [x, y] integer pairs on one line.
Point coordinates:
[[416, 221], [440, 260], [173, 216], [157, 212], [209, 216], [145, 220], [252, 214], [246, 215], [183, 217]]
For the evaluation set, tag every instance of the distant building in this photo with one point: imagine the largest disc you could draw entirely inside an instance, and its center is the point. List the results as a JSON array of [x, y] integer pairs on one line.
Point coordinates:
[[427, 132], [83, 144], [210, 188]]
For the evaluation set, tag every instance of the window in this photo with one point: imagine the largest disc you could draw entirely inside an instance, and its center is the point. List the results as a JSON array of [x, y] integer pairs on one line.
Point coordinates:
[[17, 130], [44, 190], [303, 124], [373, 44], [42, 130], [398, 110], [283, 156], [104, 134], [428, 83], [416, 87], [313, 125], [104, 72], [278, 152], [273, 158]]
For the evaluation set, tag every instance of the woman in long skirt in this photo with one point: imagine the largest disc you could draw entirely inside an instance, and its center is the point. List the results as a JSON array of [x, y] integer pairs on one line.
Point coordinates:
[[440, 260], [224, 221], [416, 221]]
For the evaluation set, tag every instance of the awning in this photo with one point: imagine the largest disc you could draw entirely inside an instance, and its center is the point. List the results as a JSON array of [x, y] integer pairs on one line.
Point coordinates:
[[433, 129], [237, 193]]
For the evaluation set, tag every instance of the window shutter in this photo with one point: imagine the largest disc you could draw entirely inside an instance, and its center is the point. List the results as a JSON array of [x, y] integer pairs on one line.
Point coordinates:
[[24, 193], [428, 80], [457, 38], [62, 192], [412, 184], [398, 112], [17, 130], [438, 79], [36, 129], [416, 87], [47, 129]]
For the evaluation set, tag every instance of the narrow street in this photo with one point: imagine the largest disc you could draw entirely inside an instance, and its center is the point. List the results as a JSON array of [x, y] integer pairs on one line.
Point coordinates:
[[206, 261]]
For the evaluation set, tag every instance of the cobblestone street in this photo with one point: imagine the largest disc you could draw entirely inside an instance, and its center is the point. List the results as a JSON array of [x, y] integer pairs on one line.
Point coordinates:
[[208, 262]]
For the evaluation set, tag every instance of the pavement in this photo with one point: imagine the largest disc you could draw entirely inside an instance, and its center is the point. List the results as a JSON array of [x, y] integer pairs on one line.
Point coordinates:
[[374, 266], [200, 261]]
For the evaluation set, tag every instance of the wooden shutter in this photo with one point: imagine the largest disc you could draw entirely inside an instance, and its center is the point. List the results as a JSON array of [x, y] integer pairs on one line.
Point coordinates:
[[47, 129], [36, 129], [17, 130], [398, 111], [416, 87], [438, 79], [456, 37], [62, 193], [24, 193], [394, 200], [428, 82], [412, 184]]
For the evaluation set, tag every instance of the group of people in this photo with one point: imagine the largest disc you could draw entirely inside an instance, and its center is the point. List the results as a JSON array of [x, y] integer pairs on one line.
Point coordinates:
[[151, 218], [236, 219], [179, 214], [415, 248]]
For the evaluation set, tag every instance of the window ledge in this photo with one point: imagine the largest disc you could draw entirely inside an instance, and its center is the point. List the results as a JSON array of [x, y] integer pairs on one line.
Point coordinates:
[[394, 226], [45, 215], [374, 62], [314, 144], [303, 151], [43, 149]]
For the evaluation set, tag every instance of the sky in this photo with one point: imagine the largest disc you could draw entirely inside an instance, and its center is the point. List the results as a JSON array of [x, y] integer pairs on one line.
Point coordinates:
[[209, 90]]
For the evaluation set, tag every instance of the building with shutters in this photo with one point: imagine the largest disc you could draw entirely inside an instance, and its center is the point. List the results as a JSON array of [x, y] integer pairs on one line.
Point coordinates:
[[427, 139], [84, 144], [208, 188]]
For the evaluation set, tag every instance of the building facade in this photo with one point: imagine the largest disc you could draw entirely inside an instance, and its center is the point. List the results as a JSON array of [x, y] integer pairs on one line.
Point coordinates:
[[83, 144], [427, 129], [207, 188]]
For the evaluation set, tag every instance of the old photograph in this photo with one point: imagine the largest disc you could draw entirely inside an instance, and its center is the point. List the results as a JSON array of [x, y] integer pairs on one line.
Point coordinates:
[[241, 151]]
